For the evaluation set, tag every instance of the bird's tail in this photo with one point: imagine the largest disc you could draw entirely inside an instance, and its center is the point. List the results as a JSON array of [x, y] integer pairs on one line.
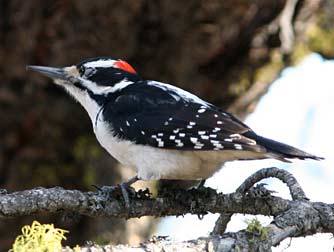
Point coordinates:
[[282, 151]]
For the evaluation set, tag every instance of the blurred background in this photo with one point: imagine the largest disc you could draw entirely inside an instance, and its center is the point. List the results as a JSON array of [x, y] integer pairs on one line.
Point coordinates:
[[228, 52]]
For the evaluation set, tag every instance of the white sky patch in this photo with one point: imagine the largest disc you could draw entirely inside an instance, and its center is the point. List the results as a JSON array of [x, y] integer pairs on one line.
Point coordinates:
[[100, 63], [297, 110]]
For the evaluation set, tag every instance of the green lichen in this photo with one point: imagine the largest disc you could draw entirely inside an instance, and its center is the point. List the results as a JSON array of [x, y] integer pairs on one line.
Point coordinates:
[[299, 52], [321, 40], [244, 81], [89, 175], [256, 228], [269, 72], [85, 147], [86, 152], [319, 37]]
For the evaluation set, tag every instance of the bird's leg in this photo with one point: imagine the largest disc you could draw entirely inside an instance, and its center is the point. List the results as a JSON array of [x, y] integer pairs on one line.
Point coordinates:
[[124, 188], [201, 184]]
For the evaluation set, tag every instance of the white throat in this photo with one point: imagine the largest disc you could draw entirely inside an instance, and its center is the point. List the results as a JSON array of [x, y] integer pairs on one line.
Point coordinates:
[[85, 100]]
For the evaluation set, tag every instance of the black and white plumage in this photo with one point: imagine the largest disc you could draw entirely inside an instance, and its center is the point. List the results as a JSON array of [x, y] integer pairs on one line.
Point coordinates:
[[161, 131]]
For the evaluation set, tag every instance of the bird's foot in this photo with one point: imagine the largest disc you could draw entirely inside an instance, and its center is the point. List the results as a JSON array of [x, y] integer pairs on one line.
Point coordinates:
[[124, 189], [260, 191]]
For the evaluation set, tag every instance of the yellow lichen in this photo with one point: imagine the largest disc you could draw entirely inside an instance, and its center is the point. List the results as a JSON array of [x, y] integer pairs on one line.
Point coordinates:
[[77, 248], [39, 238]]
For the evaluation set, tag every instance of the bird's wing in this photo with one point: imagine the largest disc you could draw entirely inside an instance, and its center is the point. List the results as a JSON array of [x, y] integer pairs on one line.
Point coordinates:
[[173, 122]]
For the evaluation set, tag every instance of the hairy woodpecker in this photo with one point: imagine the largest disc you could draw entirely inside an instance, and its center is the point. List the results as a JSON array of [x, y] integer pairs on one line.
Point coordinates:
[[161, 131]]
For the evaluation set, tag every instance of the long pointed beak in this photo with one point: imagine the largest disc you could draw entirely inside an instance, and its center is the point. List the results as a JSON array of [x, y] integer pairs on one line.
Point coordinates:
[[51, 72]]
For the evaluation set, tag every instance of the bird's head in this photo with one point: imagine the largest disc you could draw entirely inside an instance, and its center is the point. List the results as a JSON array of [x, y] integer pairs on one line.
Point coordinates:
[[97, 75], [92, 80]]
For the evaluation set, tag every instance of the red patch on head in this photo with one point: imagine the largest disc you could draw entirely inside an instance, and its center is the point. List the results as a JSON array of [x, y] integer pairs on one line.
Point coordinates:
[[125, 66]]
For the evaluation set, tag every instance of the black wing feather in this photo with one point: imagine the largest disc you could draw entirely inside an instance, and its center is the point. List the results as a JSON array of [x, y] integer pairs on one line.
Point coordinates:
[[151, 116]]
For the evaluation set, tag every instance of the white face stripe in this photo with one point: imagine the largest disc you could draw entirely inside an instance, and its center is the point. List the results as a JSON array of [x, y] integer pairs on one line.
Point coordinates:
[[104, 89], [179, 91], [100, 63]]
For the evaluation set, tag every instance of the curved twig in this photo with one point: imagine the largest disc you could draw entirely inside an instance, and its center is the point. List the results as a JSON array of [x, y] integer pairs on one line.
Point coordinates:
[[286, 177], [296, 191]]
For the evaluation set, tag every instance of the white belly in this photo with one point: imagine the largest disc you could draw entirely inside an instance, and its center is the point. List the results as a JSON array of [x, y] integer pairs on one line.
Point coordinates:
[[156, 163], [152, 163]]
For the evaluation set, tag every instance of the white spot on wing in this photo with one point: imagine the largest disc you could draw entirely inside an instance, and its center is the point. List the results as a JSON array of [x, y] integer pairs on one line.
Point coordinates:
[[219, 146], [194, 139], [179, 144], [235, 136], [238, 146]]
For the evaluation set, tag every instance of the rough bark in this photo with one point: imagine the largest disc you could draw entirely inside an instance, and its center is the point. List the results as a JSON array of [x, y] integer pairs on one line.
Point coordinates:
[[292, 218]]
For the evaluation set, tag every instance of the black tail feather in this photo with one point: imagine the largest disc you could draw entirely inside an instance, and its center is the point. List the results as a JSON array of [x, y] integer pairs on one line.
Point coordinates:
[[283, 150]]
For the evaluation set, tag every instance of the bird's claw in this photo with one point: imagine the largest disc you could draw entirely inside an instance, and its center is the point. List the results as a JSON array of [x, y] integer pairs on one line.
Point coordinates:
[[120, 189], [260, 191], [124, 189]]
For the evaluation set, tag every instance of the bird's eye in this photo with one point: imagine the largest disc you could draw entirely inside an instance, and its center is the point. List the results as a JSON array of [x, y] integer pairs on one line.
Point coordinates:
[[89, 71]]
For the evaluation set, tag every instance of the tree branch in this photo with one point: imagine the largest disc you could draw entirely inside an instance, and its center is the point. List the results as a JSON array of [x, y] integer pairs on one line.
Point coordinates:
[[100, 204], [292, 218]]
